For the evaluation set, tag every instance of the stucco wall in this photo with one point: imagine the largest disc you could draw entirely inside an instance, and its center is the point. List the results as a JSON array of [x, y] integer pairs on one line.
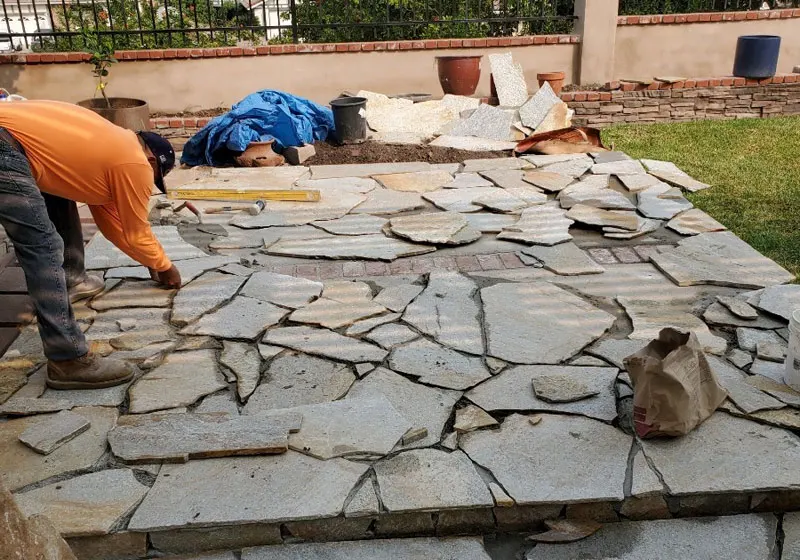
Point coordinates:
[[696, 49], [179, 85]]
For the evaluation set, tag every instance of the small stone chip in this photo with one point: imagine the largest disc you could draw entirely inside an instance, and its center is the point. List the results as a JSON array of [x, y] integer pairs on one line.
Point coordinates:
[[364, 369], [450, 441], [49, 434], [561, 389], [534, 420], [126, 324], [472, 418], [567, 530], [414, 434]]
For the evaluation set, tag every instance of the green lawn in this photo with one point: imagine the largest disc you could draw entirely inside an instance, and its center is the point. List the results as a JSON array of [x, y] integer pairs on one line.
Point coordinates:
[[752, 165]]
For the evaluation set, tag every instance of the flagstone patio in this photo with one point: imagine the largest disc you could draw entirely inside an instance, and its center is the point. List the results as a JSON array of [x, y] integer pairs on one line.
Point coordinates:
[[318, 378]]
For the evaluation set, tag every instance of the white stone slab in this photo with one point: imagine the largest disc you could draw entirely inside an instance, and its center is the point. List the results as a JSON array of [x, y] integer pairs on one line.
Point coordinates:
[[367, 247], [534, 111], [242, 318], [352, 225], [206, 293], [436, 365], [325, 343], [540, 225]]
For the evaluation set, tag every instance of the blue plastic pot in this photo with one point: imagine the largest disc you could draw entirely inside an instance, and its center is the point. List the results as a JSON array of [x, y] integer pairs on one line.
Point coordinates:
[[756, 56]]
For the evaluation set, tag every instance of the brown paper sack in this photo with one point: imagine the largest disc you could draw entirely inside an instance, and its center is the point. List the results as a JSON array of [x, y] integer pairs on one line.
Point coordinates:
[[674, 388]]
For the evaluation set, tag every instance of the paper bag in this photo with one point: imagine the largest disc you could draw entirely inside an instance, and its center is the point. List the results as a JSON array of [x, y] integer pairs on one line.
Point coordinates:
[[674, 388]]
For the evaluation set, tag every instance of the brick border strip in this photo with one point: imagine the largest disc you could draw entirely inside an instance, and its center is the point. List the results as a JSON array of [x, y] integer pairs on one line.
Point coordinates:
[[306, 48], [708, 17]]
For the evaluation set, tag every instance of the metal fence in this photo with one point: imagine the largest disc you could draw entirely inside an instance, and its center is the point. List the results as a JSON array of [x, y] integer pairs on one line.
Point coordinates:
[[640, 7], [69, 25]]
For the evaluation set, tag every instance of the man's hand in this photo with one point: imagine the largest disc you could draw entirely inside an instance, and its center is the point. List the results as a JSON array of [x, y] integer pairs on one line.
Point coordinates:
[[170, 278]]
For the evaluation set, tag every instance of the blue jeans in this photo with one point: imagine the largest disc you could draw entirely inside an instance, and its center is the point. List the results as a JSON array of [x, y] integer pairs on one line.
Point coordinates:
[[40, 251]]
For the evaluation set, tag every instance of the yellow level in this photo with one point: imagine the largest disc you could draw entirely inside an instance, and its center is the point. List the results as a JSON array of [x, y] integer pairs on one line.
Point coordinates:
[[298, 195]]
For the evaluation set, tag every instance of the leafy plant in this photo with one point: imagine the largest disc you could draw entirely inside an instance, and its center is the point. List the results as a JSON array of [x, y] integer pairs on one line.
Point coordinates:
[[102, 58]]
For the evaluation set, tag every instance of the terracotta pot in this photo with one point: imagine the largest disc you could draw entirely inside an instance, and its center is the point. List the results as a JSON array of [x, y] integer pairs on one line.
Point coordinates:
[[459, 75], [260, 154], [555, 79], [133, 114]]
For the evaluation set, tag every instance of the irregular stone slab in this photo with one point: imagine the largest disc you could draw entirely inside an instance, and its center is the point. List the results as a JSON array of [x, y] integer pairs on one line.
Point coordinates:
[[540, 225], [180, 437], [334, 203], [509, 179], [362, 327], [502, 200], [459, 200], [463, 548], [365, 170], [435, 365], [353, 225], [334, 314], [561, 389], [244, 361], [389, 336], [367, 247], [21, 466], [718, 314], [543, 160], [605, 157], [242, 318], [780, 300], [767, 368], [740, 308], [434, 228], [425, 407], [490, 223], [654, 204], [640, 182], [604, 218], [738, 537], [534, 111], [659, 165], [269, 489], [397, 298], [588, 361], [562, 459], [180, 381], [501, 499], [325, 343], [189, 269], [571, 168], [681, 180], [478, 165], [740, 358], [90, 504], [101, 253], [472, 418], [615, 350], [221, 403], [546, 180], [49, 433], [472, 144], [486, 122], [771, 351], [151, 323], [559, 328], [425, 181], [756, 457], [646, 226], [238, 238], [358, 427], [448, 312], [566, 259], [620, 167], [297, 379], [133, 294], [411, 481], [509, 80], [601, 197], [644, 481], [203, 295], [346, 291], [385, 201], [694, 221], [745, 396], [649, 318], [468, 181], [566, 531], [280, 289], [721, 259], [559, 116], [791, 541], [512, 390]]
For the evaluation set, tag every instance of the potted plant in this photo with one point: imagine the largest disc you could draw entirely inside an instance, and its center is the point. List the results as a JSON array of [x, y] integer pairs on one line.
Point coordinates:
[[133, 114]]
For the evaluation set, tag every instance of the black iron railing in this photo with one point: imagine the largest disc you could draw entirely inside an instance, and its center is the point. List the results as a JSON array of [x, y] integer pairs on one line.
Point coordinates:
[[62, 25], [643, 7]]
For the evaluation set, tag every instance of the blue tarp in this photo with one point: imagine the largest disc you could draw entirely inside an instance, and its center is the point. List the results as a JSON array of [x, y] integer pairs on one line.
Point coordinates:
[[259, 117]]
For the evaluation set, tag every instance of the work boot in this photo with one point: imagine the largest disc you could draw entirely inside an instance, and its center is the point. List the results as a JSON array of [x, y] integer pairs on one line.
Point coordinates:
[[87, 372], [88, 287]]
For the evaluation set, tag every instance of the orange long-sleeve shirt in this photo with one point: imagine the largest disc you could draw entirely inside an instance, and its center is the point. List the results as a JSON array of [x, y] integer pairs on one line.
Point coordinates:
[[76, 154]]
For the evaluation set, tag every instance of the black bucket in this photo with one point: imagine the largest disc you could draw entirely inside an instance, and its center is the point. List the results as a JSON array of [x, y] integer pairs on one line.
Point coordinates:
[[350, 119], [756, 56]]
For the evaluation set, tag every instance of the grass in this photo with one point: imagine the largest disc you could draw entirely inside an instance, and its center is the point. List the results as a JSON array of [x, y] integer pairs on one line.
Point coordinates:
[[752, 165]]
